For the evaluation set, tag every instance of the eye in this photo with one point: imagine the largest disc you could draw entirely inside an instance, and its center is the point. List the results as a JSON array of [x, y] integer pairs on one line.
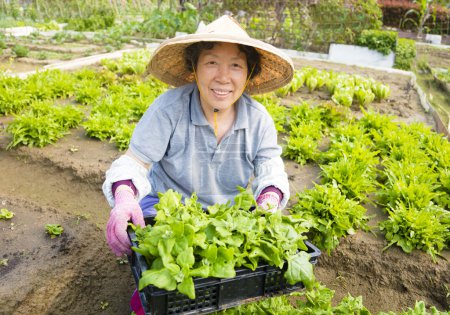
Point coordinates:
[[237, 65]]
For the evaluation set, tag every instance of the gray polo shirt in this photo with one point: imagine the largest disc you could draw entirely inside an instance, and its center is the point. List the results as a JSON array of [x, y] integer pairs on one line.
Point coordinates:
[[176, 138]]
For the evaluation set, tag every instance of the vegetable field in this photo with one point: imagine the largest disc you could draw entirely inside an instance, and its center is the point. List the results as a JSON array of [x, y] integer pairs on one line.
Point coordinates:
[[365, 170]]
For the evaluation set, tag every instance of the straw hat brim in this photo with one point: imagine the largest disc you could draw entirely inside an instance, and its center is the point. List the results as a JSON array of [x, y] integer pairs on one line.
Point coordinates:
[[168, 65]]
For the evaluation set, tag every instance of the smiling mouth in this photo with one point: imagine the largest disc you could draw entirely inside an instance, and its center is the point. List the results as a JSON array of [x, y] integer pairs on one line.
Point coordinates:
[[221, 93]]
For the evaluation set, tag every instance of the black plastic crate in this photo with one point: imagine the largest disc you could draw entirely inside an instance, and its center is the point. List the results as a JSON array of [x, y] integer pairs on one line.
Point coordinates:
[[215, 294]]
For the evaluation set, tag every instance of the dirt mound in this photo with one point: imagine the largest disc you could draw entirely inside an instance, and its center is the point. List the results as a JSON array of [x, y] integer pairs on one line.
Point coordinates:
[[387, 280], [68, 274]]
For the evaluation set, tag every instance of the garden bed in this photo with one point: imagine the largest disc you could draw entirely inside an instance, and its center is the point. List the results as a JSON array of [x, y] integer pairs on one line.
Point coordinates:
[[78, 274], [39, 51]]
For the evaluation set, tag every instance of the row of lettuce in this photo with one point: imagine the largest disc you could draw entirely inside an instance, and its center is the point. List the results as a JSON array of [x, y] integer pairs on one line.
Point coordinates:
[[118, 96], [319, 301], [404, 168], [47, 104]]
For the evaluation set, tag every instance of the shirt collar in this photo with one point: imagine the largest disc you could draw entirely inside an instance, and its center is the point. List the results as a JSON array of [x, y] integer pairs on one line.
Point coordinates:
[[242, 117], [198, 117]]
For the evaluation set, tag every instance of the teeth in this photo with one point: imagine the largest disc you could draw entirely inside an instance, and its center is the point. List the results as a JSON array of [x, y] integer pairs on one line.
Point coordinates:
[[221, 92]]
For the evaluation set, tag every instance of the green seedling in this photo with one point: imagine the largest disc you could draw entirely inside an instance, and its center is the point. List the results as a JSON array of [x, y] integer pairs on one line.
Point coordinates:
[[81, 216], [54, 230], [122, 261], [104, 305], [6, 214]]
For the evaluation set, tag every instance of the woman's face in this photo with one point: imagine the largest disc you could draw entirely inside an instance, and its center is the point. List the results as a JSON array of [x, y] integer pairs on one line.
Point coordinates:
[[221, 76]]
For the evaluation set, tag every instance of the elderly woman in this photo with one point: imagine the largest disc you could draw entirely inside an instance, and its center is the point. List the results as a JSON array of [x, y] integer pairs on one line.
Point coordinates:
[[207, 135]]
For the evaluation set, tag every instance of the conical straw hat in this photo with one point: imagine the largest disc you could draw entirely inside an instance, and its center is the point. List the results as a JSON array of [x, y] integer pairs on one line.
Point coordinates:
[[168, 65]]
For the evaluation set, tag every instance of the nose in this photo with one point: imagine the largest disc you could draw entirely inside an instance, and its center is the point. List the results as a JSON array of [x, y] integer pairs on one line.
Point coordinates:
[[223, 74]]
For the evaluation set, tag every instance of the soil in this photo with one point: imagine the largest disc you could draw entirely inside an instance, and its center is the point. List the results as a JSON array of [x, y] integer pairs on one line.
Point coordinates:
[[54, 54], [76, 273], [435, 56]]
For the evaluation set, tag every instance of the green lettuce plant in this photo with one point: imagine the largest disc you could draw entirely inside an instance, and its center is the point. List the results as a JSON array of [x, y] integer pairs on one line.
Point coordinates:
[[186, 242], [279, 113], [411, 227], [331, 214], [363, 96], [355, 177], [54, 230], [5, 214], [43, 124]]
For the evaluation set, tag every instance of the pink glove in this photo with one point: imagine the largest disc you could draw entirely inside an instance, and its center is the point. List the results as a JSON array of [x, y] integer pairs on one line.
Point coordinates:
[[269, 201], [126, 208]]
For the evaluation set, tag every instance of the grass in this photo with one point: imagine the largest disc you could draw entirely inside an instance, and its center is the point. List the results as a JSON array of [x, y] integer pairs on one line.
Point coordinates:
[[432, 57], [7, 22], [435, 95], [49, 55]]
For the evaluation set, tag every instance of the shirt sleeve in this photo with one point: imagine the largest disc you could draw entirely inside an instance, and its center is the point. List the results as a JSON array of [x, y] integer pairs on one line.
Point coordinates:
[[126, 168], [152, 134], [269, 166]]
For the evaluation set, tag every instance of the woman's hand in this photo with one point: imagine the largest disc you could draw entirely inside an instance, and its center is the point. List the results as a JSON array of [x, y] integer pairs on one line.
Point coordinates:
[[269, 201], [126, 208]]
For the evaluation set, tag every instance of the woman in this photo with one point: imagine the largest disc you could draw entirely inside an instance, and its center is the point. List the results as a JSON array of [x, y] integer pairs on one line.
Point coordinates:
[[206, 135]]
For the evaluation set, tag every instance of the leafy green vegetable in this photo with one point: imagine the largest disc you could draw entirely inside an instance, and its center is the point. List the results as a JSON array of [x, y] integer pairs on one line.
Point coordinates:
[[373, 122], [30, 130], [5, 214], [354, 176], [419, 309], [380, 90], [343, 97], [276, 111], [54, 230], [49, 85], [272, 306], [123, 135], [131, 62], [409, 182], [306, 129], [363, 96], [301, 149], [88, 92], [318, 300], [300, 269], [101, 126], [332, 215], [349, 140], [44, 123], [411, 227], [186, 242]]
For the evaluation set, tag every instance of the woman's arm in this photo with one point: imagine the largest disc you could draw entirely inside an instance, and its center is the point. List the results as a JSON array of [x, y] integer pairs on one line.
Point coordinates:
[[272, 173], [133, 156], [128, 167], [269, 167]]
